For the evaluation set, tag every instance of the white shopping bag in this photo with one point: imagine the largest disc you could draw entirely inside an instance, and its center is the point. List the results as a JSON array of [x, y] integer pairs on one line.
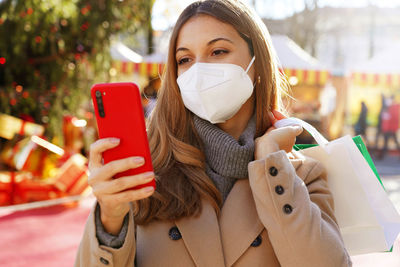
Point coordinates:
[[367, 219]]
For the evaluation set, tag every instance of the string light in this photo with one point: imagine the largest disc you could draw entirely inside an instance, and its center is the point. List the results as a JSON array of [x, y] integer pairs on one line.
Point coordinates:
[[64, 22]]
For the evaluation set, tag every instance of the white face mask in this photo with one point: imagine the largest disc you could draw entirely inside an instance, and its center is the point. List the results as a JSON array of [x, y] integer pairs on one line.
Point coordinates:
[[215, 91]]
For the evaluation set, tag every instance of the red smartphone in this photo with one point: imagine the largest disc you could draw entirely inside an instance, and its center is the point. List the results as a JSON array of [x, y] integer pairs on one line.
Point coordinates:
[[119, 113]]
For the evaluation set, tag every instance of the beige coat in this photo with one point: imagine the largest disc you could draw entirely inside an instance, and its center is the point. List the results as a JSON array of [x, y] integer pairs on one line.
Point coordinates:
[[253, 229]]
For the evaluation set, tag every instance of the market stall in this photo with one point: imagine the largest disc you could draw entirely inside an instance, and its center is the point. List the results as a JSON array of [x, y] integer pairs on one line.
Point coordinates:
[[369, 80], [128, 66], [309, 83]]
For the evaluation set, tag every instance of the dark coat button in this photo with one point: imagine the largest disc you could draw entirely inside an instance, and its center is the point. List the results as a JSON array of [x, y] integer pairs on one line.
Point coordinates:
[[279, 190], [287, 209], [104, 261], [273, 171], [174, 233], [256, 241]]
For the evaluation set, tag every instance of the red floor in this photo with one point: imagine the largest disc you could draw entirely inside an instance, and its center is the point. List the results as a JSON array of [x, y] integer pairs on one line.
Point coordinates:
[[42, 237]]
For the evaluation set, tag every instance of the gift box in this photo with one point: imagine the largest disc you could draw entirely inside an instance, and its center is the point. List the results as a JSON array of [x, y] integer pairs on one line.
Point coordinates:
[[6, 188], [72, 176], [33, 154], [31, 190], [8, 181], [10, 126]]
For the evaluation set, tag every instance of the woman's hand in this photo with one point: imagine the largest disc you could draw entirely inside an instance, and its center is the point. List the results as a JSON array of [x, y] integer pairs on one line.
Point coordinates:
[[276, 139], [110, 194]]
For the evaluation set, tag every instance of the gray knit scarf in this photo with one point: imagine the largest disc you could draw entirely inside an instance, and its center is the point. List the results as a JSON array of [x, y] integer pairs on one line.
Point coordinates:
[[226, 157]]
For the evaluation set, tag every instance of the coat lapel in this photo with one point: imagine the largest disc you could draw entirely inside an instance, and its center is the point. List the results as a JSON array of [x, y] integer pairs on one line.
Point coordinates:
[[239, 222], [201, 236], [219, 244]]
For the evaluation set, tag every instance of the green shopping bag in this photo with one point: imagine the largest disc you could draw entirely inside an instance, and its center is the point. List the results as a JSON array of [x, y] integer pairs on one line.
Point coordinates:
[[360, 145], [366, 217]]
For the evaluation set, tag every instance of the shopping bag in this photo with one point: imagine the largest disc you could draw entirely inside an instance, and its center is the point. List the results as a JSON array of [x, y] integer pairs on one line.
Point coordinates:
[[366, 217]]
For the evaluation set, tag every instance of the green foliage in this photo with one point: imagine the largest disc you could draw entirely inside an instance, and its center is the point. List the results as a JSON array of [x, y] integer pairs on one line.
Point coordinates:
[[51, 52]]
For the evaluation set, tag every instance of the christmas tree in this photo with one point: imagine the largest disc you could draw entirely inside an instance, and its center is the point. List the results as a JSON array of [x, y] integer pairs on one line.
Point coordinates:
[[51, 52]]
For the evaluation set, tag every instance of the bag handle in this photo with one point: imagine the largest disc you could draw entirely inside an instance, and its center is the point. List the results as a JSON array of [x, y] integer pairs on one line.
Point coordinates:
[[308, 127]]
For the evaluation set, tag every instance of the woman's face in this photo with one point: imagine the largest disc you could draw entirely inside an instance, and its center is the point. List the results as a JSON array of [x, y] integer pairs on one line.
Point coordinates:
[[206, 39]]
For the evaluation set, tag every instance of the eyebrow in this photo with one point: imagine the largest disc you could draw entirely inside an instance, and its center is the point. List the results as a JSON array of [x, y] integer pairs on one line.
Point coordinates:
[[209, 43]]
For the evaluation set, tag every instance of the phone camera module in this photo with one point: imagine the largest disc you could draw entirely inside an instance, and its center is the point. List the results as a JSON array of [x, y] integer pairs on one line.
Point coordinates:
[[100, 105]]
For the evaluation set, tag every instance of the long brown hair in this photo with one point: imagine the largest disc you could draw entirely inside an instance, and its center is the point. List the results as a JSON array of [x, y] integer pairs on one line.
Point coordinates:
[[176, 151]]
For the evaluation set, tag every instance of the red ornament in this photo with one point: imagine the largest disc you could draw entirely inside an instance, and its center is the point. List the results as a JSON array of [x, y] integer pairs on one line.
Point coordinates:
[[54, 29], [38, 39], [19, 88], [29, 11], [46, 104], [13, 101], [84, 10], [2, 60], [25, 94], [77, 56], [53, 89], [85, 26], [1, 21]]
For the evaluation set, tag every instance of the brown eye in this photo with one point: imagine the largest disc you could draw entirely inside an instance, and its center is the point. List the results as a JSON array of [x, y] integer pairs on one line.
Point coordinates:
[[183, 60], [219, 52]]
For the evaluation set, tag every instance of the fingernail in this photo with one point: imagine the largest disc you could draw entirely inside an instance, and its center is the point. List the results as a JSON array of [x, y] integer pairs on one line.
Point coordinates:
[[149, 176], [138, 160], [148, 189], [114, 140]]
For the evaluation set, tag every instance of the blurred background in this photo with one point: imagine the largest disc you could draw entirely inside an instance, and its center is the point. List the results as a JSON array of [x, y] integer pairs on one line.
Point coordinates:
[[341, 58]]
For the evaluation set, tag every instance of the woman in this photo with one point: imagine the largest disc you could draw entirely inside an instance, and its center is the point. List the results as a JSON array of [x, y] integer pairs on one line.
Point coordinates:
[[360, 128], [227, 193]]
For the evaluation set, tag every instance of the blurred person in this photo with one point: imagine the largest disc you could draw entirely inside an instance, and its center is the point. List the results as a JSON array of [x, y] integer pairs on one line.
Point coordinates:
[[327, 100], [227, 191], [379, 124], [390, 125], [360, 127]]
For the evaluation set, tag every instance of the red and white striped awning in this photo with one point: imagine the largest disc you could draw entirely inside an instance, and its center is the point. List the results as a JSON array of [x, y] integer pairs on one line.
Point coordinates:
[[307, 77], [143, 68], [376, 79]]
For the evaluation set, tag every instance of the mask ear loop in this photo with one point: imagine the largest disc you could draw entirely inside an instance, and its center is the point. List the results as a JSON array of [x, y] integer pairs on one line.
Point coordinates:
[[251, 63]]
